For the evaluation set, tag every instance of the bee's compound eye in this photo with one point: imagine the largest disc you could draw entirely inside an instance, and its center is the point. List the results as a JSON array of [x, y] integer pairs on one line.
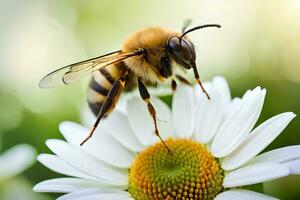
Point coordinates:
[[182, 51], [174, 44]]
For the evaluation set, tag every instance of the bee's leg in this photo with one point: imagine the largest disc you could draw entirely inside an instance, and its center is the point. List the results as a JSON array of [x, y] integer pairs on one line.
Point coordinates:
[[108, 105], [197, 77], [146, 97], [183, 80], [174, 85]]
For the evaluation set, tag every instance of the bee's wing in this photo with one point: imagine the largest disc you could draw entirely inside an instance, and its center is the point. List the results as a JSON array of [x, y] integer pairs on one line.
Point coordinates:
[[75, 72]]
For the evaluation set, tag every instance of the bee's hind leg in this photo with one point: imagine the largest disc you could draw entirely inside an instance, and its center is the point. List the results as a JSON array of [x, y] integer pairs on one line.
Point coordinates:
[[146, 98], [108, 105]]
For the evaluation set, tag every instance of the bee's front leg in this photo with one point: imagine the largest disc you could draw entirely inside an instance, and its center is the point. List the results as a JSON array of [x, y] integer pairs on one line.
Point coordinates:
[[146, 98], [181, 79], [109, 104]]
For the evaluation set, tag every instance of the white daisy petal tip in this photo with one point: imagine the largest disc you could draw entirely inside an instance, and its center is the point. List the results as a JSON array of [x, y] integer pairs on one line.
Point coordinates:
[[50, 142], [36, 188], [256, 91], [238, 123], [258, 140], [65, 126], [219, 78], [73, 132], [221, 84], [41, 157]]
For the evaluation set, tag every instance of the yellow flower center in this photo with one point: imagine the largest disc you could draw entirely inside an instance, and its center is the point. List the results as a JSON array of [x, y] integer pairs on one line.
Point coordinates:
[[189, 172]]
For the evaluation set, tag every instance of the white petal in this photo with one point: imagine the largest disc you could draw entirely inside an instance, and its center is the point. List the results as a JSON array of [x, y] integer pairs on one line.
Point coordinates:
[[58, 165], [66, 185], [96, 194], [87, 118], [258, 139], [87, 163], [280, 155], [16, 159], [142, 122], [255, 173], [208, 115], [231, 106], [122, 103], [183, 111], [73, 132], [238, 124], [102, 145], [160, 90], [153, 91], [164, 118], [106, 148], [118, 126], [241, 194], [221, 85], [293, 165]]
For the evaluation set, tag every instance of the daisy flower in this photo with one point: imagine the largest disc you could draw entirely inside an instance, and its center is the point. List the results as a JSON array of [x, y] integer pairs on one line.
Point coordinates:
[[215, 150]]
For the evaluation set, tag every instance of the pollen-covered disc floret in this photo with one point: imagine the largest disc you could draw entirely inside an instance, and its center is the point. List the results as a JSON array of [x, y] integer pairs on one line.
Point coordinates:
[[188, 172]]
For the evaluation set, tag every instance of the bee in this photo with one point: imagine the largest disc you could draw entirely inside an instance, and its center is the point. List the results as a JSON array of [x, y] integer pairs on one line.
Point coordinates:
[[147, 56]]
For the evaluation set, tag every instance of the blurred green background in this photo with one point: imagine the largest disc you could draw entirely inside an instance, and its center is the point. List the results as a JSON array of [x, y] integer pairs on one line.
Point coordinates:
[[258, 44]]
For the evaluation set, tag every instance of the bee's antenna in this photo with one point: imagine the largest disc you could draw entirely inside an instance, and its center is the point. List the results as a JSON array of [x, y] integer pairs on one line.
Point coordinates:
[[196, 28], [200, 27]]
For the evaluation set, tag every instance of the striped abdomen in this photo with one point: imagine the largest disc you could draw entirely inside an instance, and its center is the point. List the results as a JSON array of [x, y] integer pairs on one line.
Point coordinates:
[[100, 85]]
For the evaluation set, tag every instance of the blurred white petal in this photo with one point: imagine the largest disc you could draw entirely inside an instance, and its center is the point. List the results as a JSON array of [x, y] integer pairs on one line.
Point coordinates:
[[15, 160]]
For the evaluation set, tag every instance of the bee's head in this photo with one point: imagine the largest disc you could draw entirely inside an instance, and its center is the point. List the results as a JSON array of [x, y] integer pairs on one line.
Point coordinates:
[[182, 51]]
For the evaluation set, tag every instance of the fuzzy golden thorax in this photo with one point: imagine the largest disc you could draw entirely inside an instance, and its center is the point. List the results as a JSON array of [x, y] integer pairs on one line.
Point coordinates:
[[154, 41]]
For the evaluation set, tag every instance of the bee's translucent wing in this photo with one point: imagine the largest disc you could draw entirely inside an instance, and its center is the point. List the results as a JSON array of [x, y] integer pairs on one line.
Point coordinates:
[[77, 71]]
